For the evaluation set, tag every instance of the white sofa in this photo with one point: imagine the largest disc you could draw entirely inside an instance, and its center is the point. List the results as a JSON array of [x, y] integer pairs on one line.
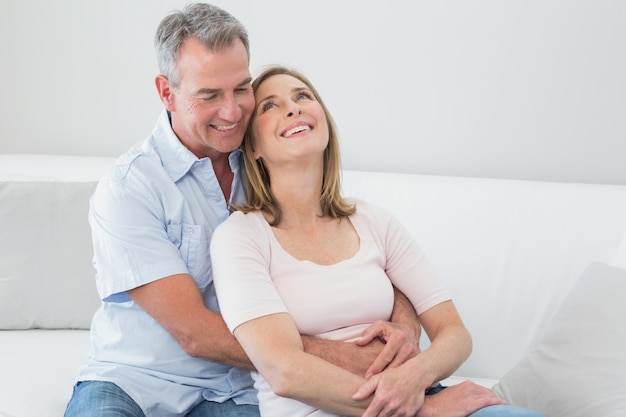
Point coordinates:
[[510, 252]]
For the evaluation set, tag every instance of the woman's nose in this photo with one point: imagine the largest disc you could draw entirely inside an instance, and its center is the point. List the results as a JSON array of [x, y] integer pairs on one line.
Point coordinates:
[[294, 110]]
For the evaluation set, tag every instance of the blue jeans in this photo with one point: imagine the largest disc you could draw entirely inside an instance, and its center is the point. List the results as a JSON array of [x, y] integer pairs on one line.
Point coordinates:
[[495, 410], [105, 399]]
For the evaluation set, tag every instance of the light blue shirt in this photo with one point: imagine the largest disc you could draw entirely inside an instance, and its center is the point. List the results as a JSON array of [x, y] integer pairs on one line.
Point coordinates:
[[153, 216]]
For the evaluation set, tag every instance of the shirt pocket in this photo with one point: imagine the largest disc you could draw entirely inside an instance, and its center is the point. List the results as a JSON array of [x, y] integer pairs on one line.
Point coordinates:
[[192, 241]]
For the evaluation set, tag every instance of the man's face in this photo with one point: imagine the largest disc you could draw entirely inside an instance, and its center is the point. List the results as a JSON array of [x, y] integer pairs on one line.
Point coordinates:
[[212, 104]]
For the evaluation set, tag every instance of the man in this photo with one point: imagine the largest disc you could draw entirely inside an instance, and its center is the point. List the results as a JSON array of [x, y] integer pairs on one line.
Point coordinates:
[[159, 346]]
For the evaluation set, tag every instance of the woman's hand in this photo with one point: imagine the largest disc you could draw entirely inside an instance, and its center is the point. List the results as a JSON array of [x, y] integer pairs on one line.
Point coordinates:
[[393, 394]]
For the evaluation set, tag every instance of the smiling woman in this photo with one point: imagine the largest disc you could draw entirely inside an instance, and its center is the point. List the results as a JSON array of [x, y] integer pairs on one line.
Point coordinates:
[[277, 112], [298, 258], [287, 109]]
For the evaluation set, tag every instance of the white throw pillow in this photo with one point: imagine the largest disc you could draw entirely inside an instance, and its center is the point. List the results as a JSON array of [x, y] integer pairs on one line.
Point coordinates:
[[46, 275], [578, 368]]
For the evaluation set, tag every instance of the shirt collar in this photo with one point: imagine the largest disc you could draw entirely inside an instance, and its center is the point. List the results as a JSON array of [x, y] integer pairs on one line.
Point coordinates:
[[177, 159]]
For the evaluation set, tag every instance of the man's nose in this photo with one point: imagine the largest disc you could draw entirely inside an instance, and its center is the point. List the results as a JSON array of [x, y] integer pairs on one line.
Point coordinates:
[[230, 109]]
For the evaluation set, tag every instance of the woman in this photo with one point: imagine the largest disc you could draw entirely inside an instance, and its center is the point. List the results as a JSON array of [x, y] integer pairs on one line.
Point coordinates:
[[299, 258]]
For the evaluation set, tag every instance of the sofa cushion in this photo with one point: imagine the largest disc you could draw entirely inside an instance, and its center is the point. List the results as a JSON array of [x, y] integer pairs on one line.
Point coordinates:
[[39, 369], [46, 275], [577, 368]]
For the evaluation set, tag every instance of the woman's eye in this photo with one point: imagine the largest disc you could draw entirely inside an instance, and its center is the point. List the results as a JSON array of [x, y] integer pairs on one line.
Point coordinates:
[[268, 105], [303, 95]]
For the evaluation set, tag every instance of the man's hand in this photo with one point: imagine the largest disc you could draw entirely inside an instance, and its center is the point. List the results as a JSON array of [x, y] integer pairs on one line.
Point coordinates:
[[401, 337], [381, 345], [392, 396], [459, 401], [401, 344]]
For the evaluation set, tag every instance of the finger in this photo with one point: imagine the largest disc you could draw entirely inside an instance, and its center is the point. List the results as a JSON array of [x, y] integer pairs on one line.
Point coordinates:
[[395, 352], [374, 409], [366, 389], [372, 332], [384, 408], [384, 358], [403, 352]]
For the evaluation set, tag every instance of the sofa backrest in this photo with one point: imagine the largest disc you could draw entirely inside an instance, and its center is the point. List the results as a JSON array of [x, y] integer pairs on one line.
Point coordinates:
[[46, 276], [508, 250]]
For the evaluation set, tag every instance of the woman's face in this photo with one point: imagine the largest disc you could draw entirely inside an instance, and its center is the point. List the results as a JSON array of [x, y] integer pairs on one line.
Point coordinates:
[[289, 123]]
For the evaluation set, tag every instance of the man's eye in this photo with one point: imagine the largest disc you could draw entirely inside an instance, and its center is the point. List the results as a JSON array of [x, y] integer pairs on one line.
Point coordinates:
[[207, 99]]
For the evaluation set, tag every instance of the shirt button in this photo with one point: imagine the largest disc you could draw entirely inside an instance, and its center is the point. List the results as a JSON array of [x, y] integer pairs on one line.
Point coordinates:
[[190, 231]]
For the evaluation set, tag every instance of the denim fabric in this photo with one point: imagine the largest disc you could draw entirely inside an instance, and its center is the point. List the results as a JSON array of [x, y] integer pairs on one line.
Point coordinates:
[[101, 399], [105, 399], [505, 411], [225, 409]]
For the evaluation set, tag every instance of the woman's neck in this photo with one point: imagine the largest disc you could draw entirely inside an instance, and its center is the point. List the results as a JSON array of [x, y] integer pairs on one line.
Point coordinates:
[[298, 192]]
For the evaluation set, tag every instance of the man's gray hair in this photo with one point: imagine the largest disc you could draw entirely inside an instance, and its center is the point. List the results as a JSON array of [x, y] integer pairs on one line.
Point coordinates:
[[214, 27]]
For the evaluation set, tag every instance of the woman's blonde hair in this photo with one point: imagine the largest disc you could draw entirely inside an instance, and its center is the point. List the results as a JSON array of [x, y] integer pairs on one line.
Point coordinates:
[[258, 189]]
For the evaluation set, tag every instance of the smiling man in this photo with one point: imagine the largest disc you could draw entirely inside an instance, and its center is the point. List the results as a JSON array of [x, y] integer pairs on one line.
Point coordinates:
[[159, 346]]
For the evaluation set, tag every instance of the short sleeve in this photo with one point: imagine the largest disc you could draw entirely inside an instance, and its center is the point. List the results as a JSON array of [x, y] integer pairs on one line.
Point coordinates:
[[132, 242], [406, 264], [241, 255]]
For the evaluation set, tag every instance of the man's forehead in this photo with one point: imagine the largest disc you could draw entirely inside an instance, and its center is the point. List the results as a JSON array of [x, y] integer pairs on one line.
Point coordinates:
[[217, 87], [221, 70]]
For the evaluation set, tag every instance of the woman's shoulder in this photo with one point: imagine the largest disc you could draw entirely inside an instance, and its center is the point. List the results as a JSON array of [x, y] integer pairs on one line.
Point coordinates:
[[246, 218], [243, 224], [369, 210]]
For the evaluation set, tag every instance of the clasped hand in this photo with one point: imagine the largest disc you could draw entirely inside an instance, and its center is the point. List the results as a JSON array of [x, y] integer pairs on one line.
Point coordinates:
[[395, 391]]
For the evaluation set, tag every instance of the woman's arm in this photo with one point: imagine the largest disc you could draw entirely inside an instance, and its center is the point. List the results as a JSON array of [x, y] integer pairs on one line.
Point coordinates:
[[274, 345], [401, 336], [450, 346]]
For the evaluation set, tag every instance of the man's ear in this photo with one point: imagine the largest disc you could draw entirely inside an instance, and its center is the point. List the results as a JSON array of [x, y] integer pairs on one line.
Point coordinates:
[[166, 92]]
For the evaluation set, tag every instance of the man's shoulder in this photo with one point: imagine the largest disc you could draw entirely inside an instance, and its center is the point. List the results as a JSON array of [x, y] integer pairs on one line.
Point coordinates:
[[140, 160]]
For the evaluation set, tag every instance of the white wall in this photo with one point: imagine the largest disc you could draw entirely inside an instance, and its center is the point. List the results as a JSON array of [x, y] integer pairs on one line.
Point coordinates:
[[531, 89]]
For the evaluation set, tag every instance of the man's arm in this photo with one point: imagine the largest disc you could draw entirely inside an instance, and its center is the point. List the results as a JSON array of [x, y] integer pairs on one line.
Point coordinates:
[[404, 314], [177, 304], [383, 344], [401, 336]]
